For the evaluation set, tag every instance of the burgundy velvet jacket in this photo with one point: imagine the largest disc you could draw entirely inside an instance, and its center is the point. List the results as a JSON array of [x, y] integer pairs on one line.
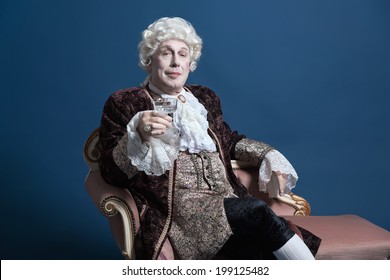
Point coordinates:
[[153, 194]]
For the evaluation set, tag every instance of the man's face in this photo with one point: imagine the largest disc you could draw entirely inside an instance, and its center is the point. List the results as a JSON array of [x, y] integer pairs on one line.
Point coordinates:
[[170, 66]]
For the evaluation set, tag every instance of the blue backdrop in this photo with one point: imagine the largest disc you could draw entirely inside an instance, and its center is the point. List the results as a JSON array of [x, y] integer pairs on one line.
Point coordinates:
[[312, 78]]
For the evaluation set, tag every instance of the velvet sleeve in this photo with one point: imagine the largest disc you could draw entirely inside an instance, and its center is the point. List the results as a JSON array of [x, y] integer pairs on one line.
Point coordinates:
[[118, 110], [252, 151]]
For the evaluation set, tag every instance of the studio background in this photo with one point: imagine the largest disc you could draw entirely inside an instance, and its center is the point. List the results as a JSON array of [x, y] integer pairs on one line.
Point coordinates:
[[311, 78]]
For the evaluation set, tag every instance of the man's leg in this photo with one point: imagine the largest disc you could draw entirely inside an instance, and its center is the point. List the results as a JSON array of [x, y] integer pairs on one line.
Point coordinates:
[[257, 230]]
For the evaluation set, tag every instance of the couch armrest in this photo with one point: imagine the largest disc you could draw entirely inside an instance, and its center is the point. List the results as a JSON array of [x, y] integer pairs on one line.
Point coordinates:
[[292, 205], [110, 201]]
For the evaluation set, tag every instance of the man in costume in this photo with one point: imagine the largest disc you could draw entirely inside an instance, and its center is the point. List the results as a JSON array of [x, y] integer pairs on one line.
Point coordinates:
[[191, 204]]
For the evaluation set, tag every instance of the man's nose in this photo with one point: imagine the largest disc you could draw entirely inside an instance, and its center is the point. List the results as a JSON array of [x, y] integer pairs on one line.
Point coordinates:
[[175, 61]]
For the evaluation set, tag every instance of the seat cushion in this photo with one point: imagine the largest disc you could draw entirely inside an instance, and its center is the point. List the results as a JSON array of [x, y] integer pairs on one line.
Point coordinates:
[[346, 237]]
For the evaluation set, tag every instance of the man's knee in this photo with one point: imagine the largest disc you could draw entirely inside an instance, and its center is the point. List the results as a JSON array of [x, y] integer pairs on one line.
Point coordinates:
[[259, 208]]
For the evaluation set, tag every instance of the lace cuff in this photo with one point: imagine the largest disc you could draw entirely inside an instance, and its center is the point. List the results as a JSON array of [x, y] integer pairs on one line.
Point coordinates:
[[155, 156], [120, 157], [274, 161]]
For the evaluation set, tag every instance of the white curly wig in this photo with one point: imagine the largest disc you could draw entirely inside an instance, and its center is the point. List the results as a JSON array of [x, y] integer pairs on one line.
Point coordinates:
[[164, 29]]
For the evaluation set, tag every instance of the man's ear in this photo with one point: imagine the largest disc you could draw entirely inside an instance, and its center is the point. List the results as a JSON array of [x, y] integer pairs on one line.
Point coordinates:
[[148, 65], [193, 65]]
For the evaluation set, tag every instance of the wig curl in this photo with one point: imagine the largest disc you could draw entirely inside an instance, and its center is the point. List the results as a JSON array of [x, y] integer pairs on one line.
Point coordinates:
[[164, 29]]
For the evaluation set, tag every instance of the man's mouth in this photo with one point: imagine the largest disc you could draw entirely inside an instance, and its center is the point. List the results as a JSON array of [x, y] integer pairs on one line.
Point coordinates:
[[173, 74]]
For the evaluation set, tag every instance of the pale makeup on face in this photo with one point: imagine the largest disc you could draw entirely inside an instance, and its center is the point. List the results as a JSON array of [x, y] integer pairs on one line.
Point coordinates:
[[170, 66]]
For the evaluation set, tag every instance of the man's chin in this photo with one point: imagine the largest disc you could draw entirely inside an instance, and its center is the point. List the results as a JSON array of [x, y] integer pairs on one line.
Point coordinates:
[[174, 88]]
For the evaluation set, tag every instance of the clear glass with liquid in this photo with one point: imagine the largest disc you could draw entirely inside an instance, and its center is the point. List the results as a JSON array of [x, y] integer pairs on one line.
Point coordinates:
[[167, 106]]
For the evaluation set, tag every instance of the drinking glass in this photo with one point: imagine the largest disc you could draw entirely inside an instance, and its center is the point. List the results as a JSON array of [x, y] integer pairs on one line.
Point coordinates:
[[167, 106]]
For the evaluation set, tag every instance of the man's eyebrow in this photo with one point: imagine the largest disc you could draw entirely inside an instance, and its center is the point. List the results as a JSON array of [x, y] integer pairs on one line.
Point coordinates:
[[171, 48]]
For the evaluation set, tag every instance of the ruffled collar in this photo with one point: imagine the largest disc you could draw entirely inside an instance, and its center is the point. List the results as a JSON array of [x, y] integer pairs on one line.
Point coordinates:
[[191, 119]]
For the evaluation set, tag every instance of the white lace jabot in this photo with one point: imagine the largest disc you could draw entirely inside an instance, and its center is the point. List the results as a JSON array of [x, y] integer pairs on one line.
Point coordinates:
[[191, 119]]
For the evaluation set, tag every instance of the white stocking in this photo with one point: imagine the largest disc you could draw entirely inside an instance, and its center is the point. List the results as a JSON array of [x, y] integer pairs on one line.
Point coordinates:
[[294, 249]]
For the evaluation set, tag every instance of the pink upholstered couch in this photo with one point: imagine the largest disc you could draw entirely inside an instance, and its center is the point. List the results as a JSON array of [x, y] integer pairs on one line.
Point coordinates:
[[343, 237]]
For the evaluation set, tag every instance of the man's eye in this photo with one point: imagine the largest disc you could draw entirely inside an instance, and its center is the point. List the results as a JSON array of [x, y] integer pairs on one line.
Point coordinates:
[[166, 53]]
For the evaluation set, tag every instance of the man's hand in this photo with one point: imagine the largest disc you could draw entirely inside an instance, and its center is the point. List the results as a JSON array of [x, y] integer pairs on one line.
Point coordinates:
[[152, 124], [282, 179]]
